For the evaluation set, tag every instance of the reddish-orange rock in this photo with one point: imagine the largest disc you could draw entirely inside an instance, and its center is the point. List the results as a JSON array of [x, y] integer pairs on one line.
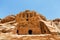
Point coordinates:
[[29, 23], [8, 19]]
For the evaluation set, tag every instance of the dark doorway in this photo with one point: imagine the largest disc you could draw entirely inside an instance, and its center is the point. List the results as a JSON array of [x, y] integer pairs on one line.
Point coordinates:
[[30, 32], [18, 32]]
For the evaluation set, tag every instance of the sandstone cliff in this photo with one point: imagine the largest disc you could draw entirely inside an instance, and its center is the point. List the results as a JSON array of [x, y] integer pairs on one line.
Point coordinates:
[[28, 23]]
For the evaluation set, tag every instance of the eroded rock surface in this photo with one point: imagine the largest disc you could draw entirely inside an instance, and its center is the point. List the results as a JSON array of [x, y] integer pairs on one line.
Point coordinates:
[[29, 25]]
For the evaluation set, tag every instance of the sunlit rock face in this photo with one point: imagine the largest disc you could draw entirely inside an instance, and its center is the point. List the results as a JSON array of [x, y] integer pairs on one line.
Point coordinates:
[[8, 19], [29, 23], [57, 23], [7, 36]]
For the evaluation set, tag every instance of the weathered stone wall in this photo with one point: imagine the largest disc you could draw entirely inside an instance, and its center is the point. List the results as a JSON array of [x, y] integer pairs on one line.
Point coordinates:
[[30, 21]]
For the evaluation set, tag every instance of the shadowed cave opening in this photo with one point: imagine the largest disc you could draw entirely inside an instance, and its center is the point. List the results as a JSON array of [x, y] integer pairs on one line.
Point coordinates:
[[30, 32], [18, 32]]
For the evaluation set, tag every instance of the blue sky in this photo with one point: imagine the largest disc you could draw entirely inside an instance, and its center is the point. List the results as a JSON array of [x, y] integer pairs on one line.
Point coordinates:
[[49, 8]]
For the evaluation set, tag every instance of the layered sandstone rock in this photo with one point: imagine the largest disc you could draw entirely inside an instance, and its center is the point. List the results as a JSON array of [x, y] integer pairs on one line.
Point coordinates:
[[8, 18], [29, 23], [28, 37], [57, 22]]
